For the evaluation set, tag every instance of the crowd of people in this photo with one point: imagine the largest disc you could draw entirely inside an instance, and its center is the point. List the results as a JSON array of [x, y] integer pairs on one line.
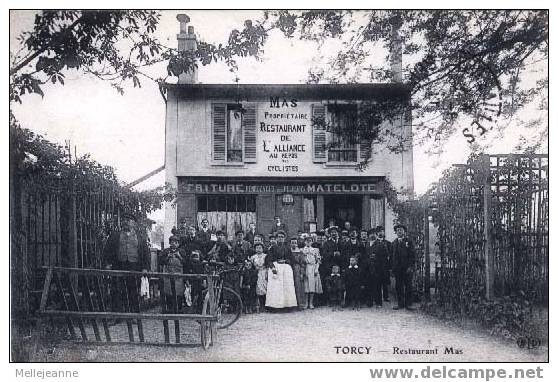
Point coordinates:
[[336, 267]]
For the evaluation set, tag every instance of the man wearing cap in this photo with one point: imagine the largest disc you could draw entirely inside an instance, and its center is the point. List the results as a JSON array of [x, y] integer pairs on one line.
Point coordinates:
[[278, 225], [344, 236], [402, 263], [221, 249], [191, 243], [127, 250], [272, 243], [332, 250], [331, 255], [241, 248], [251, 233], [204, 236], [353, 246], [320, 240], [377, 255], [363, 237], [381, 237], [173, 260]]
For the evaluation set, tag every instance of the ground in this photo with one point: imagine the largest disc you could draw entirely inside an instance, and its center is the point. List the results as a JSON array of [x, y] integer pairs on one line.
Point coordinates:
[[312, 335]]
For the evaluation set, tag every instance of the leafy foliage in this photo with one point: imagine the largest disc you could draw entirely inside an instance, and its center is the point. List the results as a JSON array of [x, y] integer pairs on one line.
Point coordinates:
[[509, 316], [463, 66], [115, 46], [50, 168]]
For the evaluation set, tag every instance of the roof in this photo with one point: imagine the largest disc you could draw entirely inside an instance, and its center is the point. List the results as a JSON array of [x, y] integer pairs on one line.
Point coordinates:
[[249, 92]]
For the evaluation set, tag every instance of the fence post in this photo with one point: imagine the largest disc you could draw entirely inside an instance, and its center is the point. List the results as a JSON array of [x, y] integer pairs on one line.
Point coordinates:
[[488, 254], [72, 231], [426, 244]]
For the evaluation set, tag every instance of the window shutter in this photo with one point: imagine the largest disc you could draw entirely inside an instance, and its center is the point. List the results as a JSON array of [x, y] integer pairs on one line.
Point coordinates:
[[365, 149], [365, 146], [249, 126], [319, 133], [219, 117]]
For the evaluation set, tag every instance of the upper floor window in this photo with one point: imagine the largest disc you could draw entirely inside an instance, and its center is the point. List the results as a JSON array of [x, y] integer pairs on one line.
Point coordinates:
[[335, 138], [233, 133], [341, 133]]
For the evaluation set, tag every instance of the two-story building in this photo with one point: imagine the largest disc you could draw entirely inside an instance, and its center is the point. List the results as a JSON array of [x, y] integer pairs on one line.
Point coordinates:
[[246, 153]]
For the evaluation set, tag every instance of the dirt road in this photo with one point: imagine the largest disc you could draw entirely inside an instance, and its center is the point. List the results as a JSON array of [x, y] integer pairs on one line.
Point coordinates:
[[368, 335]]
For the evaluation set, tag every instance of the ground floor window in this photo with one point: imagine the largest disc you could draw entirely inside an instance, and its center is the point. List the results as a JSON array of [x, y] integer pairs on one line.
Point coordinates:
[[377, 212], [228, 213]]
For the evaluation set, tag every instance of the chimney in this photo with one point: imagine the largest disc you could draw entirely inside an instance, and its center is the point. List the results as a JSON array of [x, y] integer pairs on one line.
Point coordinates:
[[186, 42], [396, 52]]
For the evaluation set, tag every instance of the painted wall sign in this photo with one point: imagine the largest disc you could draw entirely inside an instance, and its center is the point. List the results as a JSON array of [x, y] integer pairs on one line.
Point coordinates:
[[285, 135], [276, 188]]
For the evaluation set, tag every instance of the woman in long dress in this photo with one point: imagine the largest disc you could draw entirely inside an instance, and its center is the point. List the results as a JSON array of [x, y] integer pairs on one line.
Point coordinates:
[[299, 268], [258, 259], [312, 280], [280, 283]]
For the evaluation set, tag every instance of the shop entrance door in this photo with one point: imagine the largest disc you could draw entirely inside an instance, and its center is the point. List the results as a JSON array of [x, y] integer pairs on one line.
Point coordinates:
[[343, 208], [289, 209]]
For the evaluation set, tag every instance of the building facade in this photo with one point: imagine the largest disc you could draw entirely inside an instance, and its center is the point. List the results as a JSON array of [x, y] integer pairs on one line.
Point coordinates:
[[246, 153]]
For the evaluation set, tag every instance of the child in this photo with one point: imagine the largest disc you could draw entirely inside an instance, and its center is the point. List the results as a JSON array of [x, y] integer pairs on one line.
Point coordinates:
[[335, 288], [258, 259], [231, 279], [196, 267], [312, 280], [172, 260], [249, 280], [353, 283]]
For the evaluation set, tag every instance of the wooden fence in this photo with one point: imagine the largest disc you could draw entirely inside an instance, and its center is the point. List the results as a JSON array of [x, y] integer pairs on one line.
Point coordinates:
[[58, 225]]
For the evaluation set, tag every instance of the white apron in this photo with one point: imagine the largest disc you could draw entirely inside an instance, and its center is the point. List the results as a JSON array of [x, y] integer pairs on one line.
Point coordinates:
[[280, 287]]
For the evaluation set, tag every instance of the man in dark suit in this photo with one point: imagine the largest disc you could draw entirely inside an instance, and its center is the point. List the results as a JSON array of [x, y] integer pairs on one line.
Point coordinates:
[[377, 256], [353, 247], [278, 225], [381, 237], [191, 243], [332, 251], [127, 250], [220, 249], [402, 263], [241, 248], [251, 233], [204, 236]]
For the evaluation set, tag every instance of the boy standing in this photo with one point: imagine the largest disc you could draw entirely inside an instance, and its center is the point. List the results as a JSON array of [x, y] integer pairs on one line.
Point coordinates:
[[353, 283], [335, 288]]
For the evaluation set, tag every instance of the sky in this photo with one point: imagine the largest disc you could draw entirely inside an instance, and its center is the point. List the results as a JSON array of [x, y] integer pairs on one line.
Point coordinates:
[[127, 132]]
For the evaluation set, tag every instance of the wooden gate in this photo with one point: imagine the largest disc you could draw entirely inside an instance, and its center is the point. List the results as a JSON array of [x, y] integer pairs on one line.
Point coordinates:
[[492, 220], [95, 301]]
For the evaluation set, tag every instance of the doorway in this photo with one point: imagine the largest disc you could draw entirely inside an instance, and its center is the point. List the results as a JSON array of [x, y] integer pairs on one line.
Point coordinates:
[[342, 208]]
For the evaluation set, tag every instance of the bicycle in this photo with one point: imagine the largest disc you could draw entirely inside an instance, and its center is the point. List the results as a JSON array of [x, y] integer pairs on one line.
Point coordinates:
[[229, 306]]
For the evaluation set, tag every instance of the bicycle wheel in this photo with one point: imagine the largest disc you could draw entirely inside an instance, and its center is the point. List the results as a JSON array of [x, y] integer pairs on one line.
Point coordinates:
[[229, 308], [207, 328]]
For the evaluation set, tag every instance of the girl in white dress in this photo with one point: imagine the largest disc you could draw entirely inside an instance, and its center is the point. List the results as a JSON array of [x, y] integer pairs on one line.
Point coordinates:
[[312, 281], [258, 259]]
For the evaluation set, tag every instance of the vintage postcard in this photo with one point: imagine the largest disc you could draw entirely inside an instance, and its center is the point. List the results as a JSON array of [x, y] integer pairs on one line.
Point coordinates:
[[279, 186]]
